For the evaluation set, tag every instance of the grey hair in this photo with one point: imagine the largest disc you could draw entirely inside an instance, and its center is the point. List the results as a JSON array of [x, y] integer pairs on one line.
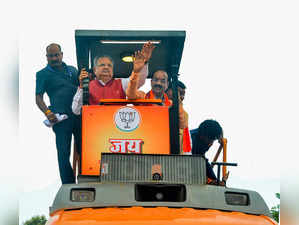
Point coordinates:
[[96, 59]]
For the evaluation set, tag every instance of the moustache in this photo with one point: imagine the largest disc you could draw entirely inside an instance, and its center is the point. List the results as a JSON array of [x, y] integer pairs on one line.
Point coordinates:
[[157, 86]]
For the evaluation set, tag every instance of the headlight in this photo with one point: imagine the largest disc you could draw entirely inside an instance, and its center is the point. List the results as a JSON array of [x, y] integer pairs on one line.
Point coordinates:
[[83, 195], [235, 198]]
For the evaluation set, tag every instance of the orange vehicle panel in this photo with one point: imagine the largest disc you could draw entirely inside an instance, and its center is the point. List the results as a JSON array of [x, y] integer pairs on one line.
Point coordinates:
[[155, 215], [104, 130]]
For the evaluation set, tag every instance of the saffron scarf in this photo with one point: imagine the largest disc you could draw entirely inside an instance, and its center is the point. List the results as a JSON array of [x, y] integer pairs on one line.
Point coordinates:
[[166, 102]]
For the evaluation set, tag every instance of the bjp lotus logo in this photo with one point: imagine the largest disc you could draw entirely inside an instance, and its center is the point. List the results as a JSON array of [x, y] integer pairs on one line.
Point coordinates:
[[127, 119]]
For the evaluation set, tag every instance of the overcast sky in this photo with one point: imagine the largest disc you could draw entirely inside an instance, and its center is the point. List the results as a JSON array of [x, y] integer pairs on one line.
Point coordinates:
[[235, 64]]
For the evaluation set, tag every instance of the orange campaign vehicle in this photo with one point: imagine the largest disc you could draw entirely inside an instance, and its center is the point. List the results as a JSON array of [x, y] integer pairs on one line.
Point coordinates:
[[130, 170]]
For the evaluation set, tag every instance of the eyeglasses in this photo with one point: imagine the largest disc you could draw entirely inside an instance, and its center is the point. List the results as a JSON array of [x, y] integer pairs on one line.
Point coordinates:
[[103, 64], [163, 81], [53, 55]]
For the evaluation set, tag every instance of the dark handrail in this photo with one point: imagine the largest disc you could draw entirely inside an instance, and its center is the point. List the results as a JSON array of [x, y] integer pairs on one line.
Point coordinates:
[[126, 101]]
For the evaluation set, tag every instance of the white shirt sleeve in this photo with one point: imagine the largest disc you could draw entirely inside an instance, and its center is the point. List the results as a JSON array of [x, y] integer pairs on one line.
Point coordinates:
[[77, 102], [143, 75], [125, 83]]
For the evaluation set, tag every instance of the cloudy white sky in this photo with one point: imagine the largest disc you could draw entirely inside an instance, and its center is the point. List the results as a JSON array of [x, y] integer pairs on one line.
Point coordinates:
[[238, 66]]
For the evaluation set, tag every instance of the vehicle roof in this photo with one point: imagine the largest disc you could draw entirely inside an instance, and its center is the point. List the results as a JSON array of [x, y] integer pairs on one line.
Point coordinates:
[[166, 56]]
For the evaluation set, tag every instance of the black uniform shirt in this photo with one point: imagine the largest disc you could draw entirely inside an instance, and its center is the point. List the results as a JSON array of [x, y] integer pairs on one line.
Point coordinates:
[[60, 86]]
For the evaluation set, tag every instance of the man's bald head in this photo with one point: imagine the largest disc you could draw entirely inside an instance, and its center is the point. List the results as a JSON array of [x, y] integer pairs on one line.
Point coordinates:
[[53, 45], [54, 55]]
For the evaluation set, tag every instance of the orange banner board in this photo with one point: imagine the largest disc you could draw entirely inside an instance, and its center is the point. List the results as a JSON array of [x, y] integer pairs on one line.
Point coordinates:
[[122, 129]]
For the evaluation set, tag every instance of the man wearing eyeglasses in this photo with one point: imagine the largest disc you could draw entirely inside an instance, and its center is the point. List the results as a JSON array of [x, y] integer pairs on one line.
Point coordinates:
[[159, 84], [60, 82], [105, 86]]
